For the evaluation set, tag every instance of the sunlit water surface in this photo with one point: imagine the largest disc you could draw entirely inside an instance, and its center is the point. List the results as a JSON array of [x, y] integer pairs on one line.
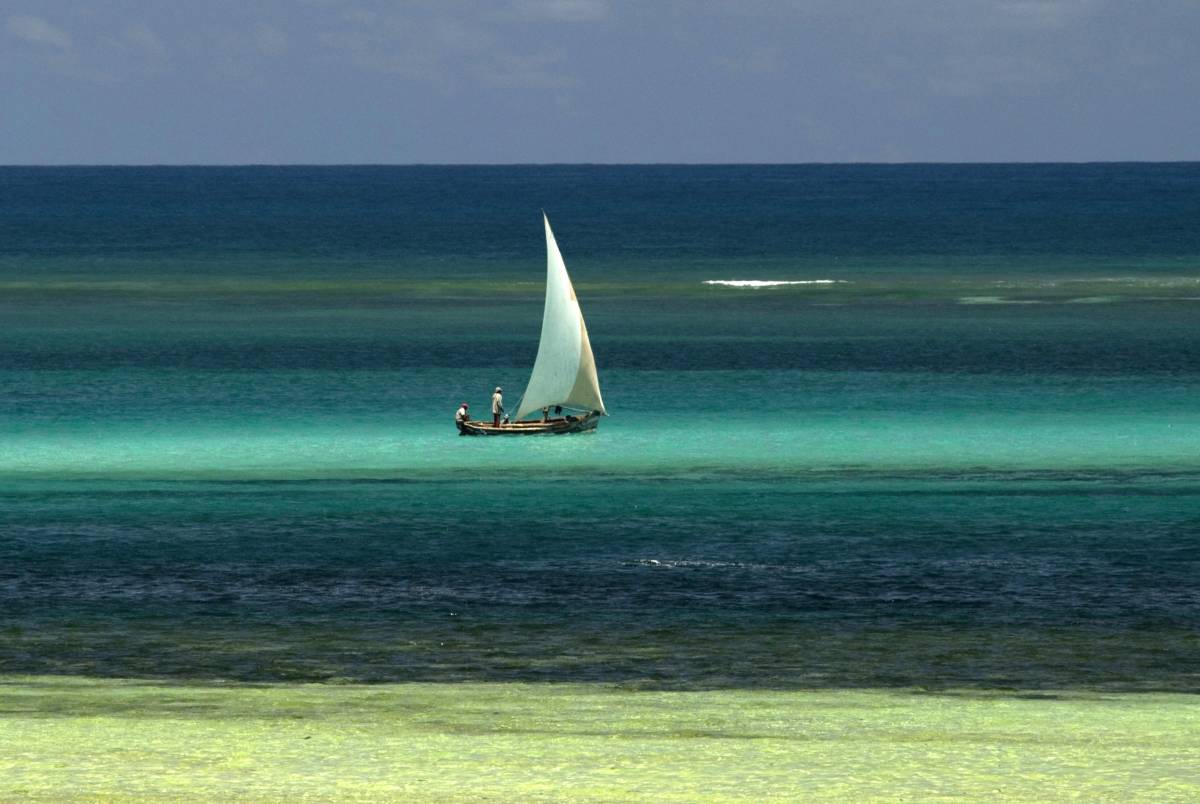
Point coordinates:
[[227, 448]]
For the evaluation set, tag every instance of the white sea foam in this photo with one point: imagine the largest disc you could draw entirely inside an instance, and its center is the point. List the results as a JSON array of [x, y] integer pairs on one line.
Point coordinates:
[[771, 283], [995, 300]]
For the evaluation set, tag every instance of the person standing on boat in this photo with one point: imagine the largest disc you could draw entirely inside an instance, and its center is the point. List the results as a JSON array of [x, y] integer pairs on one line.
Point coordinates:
[[462, 415], [497, 406]]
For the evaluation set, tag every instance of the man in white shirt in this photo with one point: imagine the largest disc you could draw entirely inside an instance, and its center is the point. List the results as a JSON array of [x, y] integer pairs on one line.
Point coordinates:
[[462, 415], [497, 406]]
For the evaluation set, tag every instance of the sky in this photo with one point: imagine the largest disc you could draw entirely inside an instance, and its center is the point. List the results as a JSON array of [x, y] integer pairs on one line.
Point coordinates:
[[606, 81]]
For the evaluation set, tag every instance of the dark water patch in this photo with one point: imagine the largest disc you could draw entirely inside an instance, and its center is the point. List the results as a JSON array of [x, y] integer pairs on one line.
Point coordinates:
[[56, 492], [783, 656], [400, 215], [701, 588]]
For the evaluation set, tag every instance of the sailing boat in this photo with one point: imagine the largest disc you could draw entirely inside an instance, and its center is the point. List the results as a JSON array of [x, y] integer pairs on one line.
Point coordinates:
[[564, 373]]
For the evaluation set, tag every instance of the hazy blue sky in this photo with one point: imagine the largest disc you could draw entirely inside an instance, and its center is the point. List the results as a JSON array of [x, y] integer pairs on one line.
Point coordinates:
[[318, 81]]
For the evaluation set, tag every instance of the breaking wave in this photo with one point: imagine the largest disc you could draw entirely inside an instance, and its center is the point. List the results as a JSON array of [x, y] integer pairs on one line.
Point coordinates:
[[770, 283]]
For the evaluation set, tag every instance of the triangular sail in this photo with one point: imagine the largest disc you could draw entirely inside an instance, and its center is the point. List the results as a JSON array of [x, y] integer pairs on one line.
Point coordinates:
[[564, 372]]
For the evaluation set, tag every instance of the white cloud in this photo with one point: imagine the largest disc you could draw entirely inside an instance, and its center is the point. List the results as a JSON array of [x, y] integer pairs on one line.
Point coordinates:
[[983, 74], [386, 52], [761, 60], [270, 40], [360, 16], [143, 37], [972, 48], [39, 32], [245, 52], [456, 35], [1045, 13], [562, 10], [448, 51], [57, 53], [535, 71]]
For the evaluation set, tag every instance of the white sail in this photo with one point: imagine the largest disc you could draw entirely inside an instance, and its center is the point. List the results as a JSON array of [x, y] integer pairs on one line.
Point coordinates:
[[564, 372]]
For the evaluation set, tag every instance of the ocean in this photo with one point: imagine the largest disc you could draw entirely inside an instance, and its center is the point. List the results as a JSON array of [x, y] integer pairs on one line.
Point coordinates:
[[961, 451]]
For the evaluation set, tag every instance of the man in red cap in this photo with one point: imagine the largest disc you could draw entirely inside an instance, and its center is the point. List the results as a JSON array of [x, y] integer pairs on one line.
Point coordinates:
[[462, 416]]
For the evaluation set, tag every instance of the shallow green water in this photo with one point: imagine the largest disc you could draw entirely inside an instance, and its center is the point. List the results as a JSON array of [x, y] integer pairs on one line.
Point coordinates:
[[73, 739]]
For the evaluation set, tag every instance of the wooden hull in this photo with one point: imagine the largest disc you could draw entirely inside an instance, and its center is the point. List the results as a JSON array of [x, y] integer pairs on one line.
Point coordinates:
[[580, 424]]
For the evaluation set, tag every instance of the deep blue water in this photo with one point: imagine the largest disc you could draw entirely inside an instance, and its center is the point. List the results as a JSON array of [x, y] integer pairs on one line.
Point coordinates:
[[226, 447]]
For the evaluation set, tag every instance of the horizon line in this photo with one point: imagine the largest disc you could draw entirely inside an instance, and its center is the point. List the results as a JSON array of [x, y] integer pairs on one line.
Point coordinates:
[[585, 164]]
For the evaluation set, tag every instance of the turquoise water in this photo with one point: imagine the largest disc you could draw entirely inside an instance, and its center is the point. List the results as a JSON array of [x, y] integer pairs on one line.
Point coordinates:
[[226, 401]]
